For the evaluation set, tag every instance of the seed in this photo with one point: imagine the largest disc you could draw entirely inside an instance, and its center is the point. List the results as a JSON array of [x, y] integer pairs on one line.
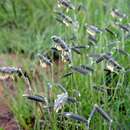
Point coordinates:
[[123, 27], [71, 100], [13, 70], [75, 117], [87, 68], [10, 70], [99, 59], [100, 89], [106, 56], [122, 51], [80, 70], [76, 50], [60, 43], [110, 59], [67, 74], [98, 109], [66, 4], [103, 113], [112, 33], [117, 14], [65, 19], [91, 115], [93, 30], [44, 61], [114, 63], [59, 20], [79, 46], [67, 56], [36, 98]]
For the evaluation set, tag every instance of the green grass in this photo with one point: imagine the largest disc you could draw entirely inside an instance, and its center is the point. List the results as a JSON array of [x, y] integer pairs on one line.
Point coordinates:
[[27, 27]]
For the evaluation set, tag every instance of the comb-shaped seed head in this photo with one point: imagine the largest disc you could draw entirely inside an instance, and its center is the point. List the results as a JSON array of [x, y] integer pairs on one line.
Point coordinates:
[[121, 51], [60, 42], [37, 98], [67, 74], [117, 14], [10, 70], [44, 61], [80, 70], [98, 109], [65, 19], [66, 3], [93, 30], [75, 117]]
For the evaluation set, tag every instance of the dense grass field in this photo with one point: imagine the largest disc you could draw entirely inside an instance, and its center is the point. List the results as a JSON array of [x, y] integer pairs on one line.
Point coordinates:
[[93, 49]]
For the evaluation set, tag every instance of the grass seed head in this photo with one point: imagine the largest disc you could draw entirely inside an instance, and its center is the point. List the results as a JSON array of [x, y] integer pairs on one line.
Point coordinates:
[[98, 109], [65, 19], [117, 14], [75, 117], [110, 32], [103, 113], [80, 69], [44, 61], [67, 74], [93, 30], [60, 43], [37, 98], [121, 51], [10, 70], [66, 3]]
